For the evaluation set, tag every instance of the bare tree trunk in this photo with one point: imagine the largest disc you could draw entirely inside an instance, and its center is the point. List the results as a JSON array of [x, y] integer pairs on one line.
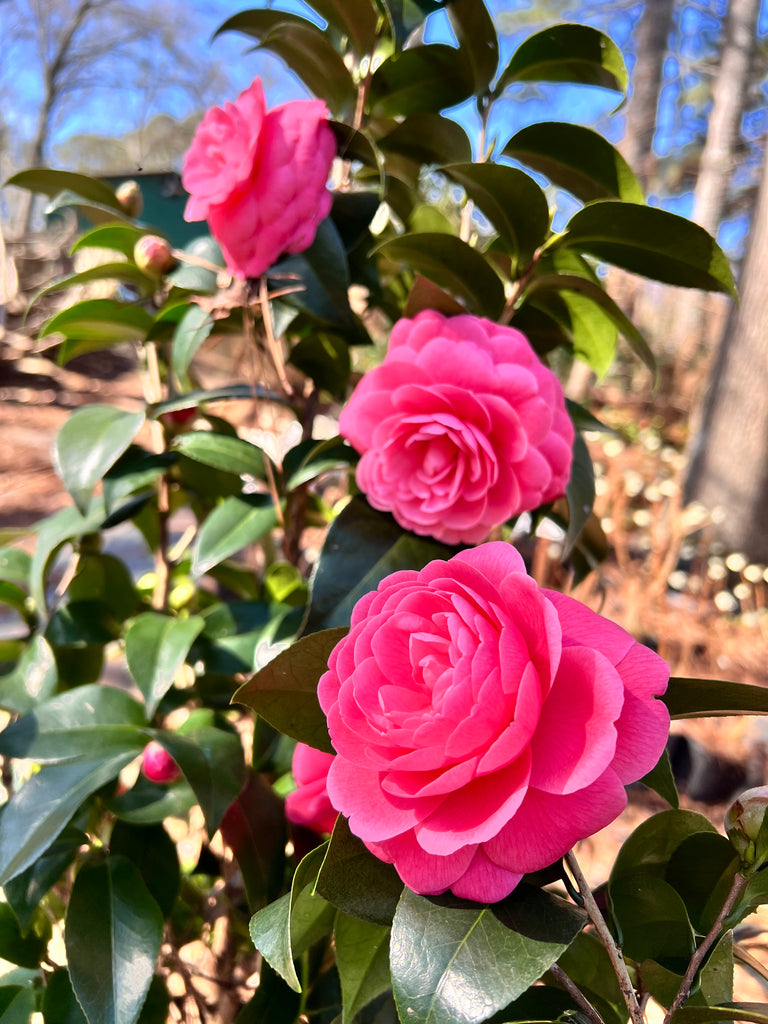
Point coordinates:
[[729, 455], [717, 159]]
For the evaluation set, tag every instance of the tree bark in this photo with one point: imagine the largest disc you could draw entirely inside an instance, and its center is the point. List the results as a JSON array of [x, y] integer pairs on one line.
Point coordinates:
[[729, 456]]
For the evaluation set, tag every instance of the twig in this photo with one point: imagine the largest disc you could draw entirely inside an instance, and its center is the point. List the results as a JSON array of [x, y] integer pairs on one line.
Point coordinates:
[[739, 881], [575, 993], [272, 343], [608, 941]]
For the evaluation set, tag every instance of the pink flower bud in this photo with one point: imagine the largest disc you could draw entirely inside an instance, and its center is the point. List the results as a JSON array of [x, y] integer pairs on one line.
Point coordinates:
[[743, 820], [158, 765], [153, 255], [130, 198]]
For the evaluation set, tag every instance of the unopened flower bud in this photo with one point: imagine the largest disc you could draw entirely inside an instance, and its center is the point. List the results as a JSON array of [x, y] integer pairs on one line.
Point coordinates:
[[743, 821], [158, 765], [130, 198], [153, 255]]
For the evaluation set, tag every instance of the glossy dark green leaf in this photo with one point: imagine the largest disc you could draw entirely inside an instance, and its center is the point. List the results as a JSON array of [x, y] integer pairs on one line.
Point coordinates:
[[112, 921], [135, 470], [284, 692], [27, 889], [577, 159], [228, 392], [454, 962], [50, 182], [701, 870], [231, 454], [24, 950], [33, 679], [511, 200], [150, 849], [60, 1006], [652, 242], [361, 548], [259, 23], [15, 566], [105, 579], [651, 917], [591, 334], [91, 441], [580, 493], [312, 917], [661, 780], [703, 698], [567, 53], [421, 80], [403, 17], [652, 843], [362, 959], [254, 830], [452, 264], [190, 276], [230, 527], [477, 37], [96, 213], [357, 882], [191, 331], [302, 464], [309, 53], [155, 648], [38, 812], [213, 764], [351, 18], [324, 358], [147, 803], [118, 237], [587, 964], [127, 273], [17, 1004], [428, 139], [757, 1013], [64, 525], [97, 323], [591, 290]]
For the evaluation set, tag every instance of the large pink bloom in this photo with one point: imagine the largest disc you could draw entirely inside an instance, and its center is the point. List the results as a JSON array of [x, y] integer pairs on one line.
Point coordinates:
[[460, 428], [259, 177], [309, 804], [483, 725]]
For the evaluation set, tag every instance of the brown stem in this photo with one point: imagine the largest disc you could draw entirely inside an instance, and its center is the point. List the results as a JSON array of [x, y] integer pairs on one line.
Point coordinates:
[[517, 289], [272, 343], [575, 993], [608, 941], [153, 390], [683, 994], [251, 337], [297, 499]]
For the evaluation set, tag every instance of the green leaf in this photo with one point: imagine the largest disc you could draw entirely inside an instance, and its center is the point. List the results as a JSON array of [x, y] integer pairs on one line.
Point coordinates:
[[52, 532], [33, 679], [15, 566], [702, 870], [351, 18], [112, 921], [477, 38], [652, 242], [96, 213], [661, 780], [453, 265], [567, 53], [587, 964], [651, 917], [231, 454], [573, 283], [119, 237], [23, 950], [228, 392], [653, 843], [89, 443], [704, 698], [309, 53], [284, 692], [27, 889], [361, 548], [135, 470], [17, 1004], [96, 323], [757, 1013], [106, 580], [191, 331], [428, 139], [580, 493], [150, 849], [511, 200], [128, 273], [454, 962], [212, 762], [421, 80], [230, 527], [355, 881], [324, 358], [311, 916], [311, 459], [254, 830], [362, 959], [148, 803], [59, 1003], [155, 647], [50, 182], [37, 813], [577, 159]]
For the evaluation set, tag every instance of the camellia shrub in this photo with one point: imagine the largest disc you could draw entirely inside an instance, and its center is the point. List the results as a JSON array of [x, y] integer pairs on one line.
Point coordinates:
[[383, 740]]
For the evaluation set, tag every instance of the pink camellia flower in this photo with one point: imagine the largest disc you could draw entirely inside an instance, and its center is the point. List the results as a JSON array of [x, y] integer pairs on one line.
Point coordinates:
[[259, 177], [157, 764], [308, 804], [484, 725], [460, 428]]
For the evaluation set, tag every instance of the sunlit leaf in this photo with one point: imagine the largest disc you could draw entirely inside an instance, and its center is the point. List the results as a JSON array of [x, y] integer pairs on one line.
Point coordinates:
[[567, 53]]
